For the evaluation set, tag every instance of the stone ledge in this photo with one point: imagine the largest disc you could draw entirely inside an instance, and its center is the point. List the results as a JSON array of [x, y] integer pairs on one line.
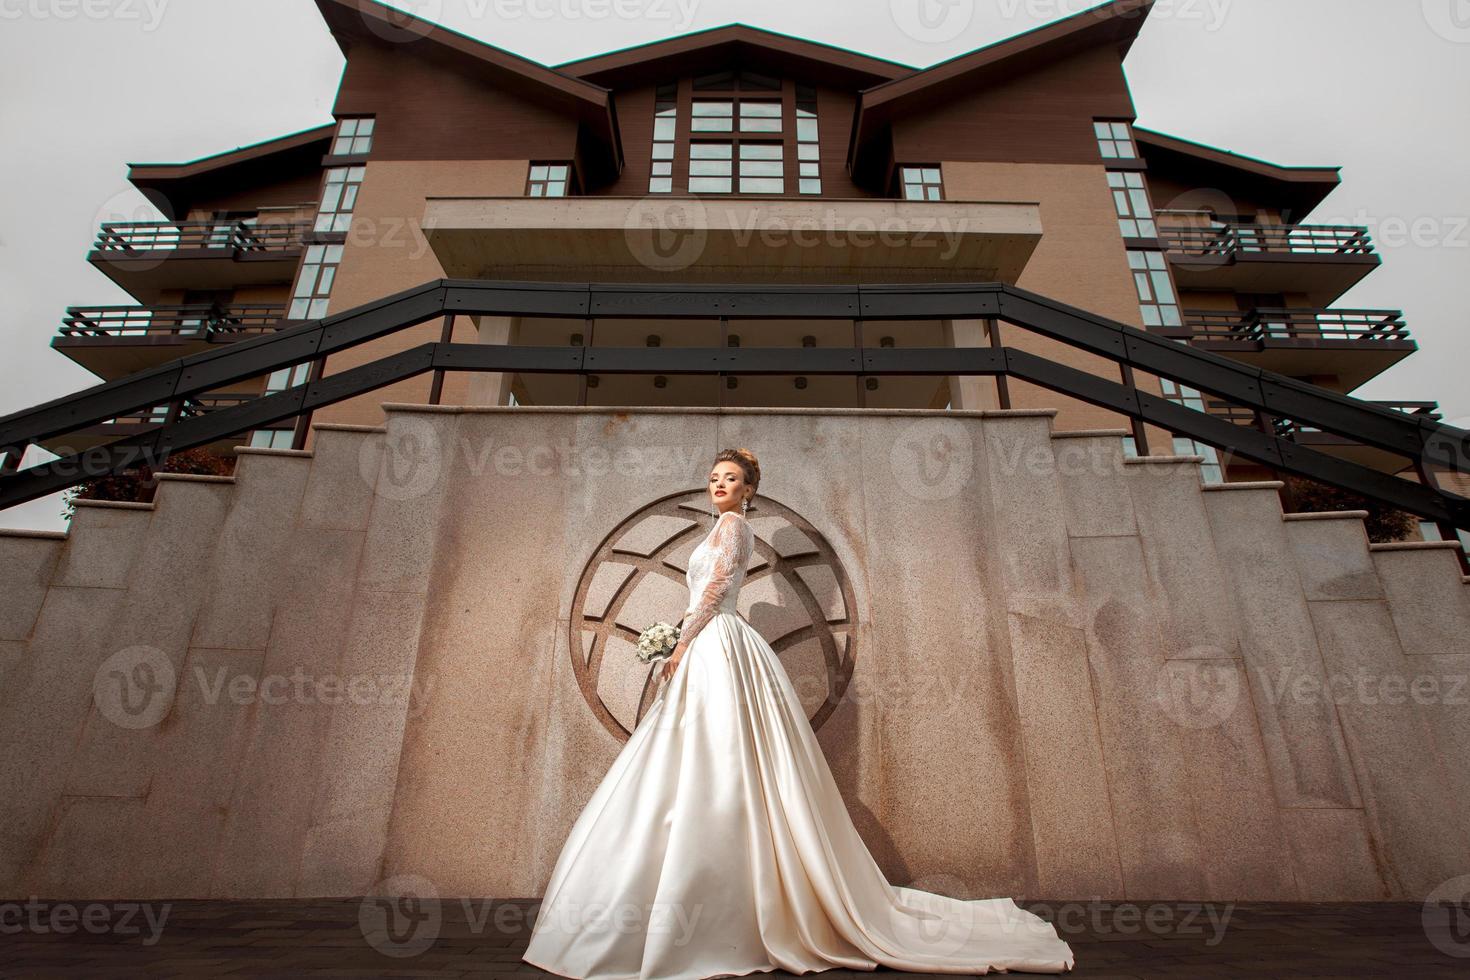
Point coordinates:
[[1091, 433], [715, 410], [345, 427], [1327, 515], [268, 451], [18, 532], [1415, 546], [1167, 460], [116, 504], [196, 477], [1258, 485]]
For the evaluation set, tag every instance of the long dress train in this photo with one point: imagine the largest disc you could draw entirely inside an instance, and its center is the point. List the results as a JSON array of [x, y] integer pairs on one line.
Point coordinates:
[[718, 842]]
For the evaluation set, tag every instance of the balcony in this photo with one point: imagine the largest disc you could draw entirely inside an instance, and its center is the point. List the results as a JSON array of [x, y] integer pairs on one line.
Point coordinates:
[[137, 423], [1332, 443], [1321, 261], [115, 341], [737, 238], [1354, 345], [148, 258]]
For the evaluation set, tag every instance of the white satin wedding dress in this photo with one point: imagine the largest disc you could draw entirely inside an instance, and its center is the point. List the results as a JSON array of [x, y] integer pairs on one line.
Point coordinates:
[[718, 843]]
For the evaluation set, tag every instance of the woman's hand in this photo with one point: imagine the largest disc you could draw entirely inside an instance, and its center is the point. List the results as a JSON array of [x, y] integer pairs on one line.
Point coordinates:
[[673, 661]]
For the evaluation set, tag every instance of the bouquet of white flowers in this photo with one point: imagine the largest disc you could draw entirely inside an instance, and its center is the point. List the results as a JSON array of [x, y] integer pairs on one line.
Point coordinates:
[[657, 642]]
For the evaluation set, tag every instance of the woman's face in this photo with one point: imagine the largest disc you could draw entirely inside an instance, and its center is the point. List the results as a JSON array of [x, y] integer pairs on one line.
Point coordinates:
[[727, 486]]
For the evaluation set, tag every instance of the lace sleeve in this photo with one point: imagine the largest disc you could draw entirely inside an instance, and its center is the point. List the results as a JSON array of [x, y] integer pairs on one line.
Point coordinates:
[[730, 545]]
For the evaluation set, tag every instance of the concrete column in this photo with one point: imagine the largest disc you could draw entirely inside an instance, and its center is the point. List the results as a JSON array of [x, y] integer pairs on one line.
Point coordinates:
[[969, 392], [493, 387]]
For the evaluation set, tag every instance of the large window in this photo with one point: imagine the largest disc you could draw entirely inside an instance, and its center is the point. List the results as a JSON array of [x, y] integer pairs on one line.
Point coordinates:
[[1115, 140], [354, 136], [665, 126], [1135, 214], [743, 127], [1156, 299], [921, 183], [314, 284], [808, 150], [339, 198], [548, 180]]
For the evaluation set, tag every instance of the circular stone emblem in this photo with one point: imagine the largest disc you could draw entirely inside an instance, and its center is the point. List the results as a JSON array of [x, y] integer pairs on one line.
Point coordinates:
[[795, 589]]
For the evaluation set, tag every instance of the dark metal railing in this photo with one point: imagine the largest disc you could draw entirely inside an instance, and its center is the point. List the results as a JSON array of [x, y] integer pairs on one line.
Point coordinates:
[[1424, 441], [1265, 325], [190, 321], [1289, 428], [191, 407], [120, 239], [1230, 241]]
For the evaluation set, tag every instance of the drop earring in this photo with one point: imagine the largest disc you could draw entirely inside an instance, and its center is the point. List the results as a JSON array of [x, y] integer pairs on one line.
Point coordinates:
[[744, 506]]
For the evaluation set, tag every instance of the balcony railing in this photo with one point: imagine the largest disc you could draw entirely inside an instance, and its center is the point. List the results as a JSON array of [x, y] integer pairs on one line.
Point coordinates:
[[1296, 431], [193, 321], [1261, 325], [120, 239], [1232, 241], [191, 407]]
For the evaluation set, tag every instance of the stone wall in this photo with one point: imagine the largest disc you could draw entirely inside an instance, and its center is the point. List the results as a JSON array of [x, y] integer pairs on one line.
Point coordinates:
[[1068, 675]]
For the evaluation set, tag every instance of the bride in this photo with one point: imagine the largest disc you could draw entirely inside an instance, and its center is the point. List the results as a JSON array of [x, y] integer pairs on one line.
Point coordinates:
[[718, 843]]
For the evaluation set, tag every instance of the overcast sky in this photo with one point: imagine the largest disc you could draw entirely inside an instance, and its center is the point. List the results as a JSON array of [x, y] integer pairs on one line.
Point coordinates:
[[1377, 87]]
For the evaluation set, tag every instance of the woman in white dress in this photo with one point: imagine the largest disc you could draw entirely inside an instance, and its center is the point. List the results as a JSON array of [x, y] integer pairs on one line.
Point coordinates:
[[718, 843]]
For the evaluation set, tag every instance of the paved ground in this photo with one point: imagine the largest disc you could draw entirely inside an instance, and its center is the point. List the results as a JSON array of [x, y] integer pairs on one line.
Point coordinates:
[[474, 938]]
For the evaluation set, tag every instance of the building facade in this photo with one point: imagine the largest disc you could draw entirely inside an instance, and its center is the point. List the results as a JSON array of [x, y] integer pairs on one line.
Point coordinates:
[[742, 156]]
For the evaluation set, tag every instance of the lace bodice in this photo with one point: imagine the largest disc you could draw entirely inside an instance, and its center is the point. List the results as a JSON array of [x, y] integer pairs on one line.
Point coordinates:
[[716, 571]]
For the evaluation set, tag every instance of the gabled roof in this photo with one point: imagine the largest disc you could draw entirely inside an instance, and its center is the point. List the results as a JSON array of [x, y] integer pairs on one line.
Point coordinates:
[[1299, 188], [171, 186], [355, 22], [704, 49], [1116, 23]]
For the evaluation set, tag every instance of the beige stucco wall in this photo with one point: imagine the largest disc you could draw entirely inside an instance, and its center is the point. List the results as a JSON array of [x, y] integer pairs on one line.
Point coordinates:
[[1073, 676], [386, 252], [1080, 261]]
